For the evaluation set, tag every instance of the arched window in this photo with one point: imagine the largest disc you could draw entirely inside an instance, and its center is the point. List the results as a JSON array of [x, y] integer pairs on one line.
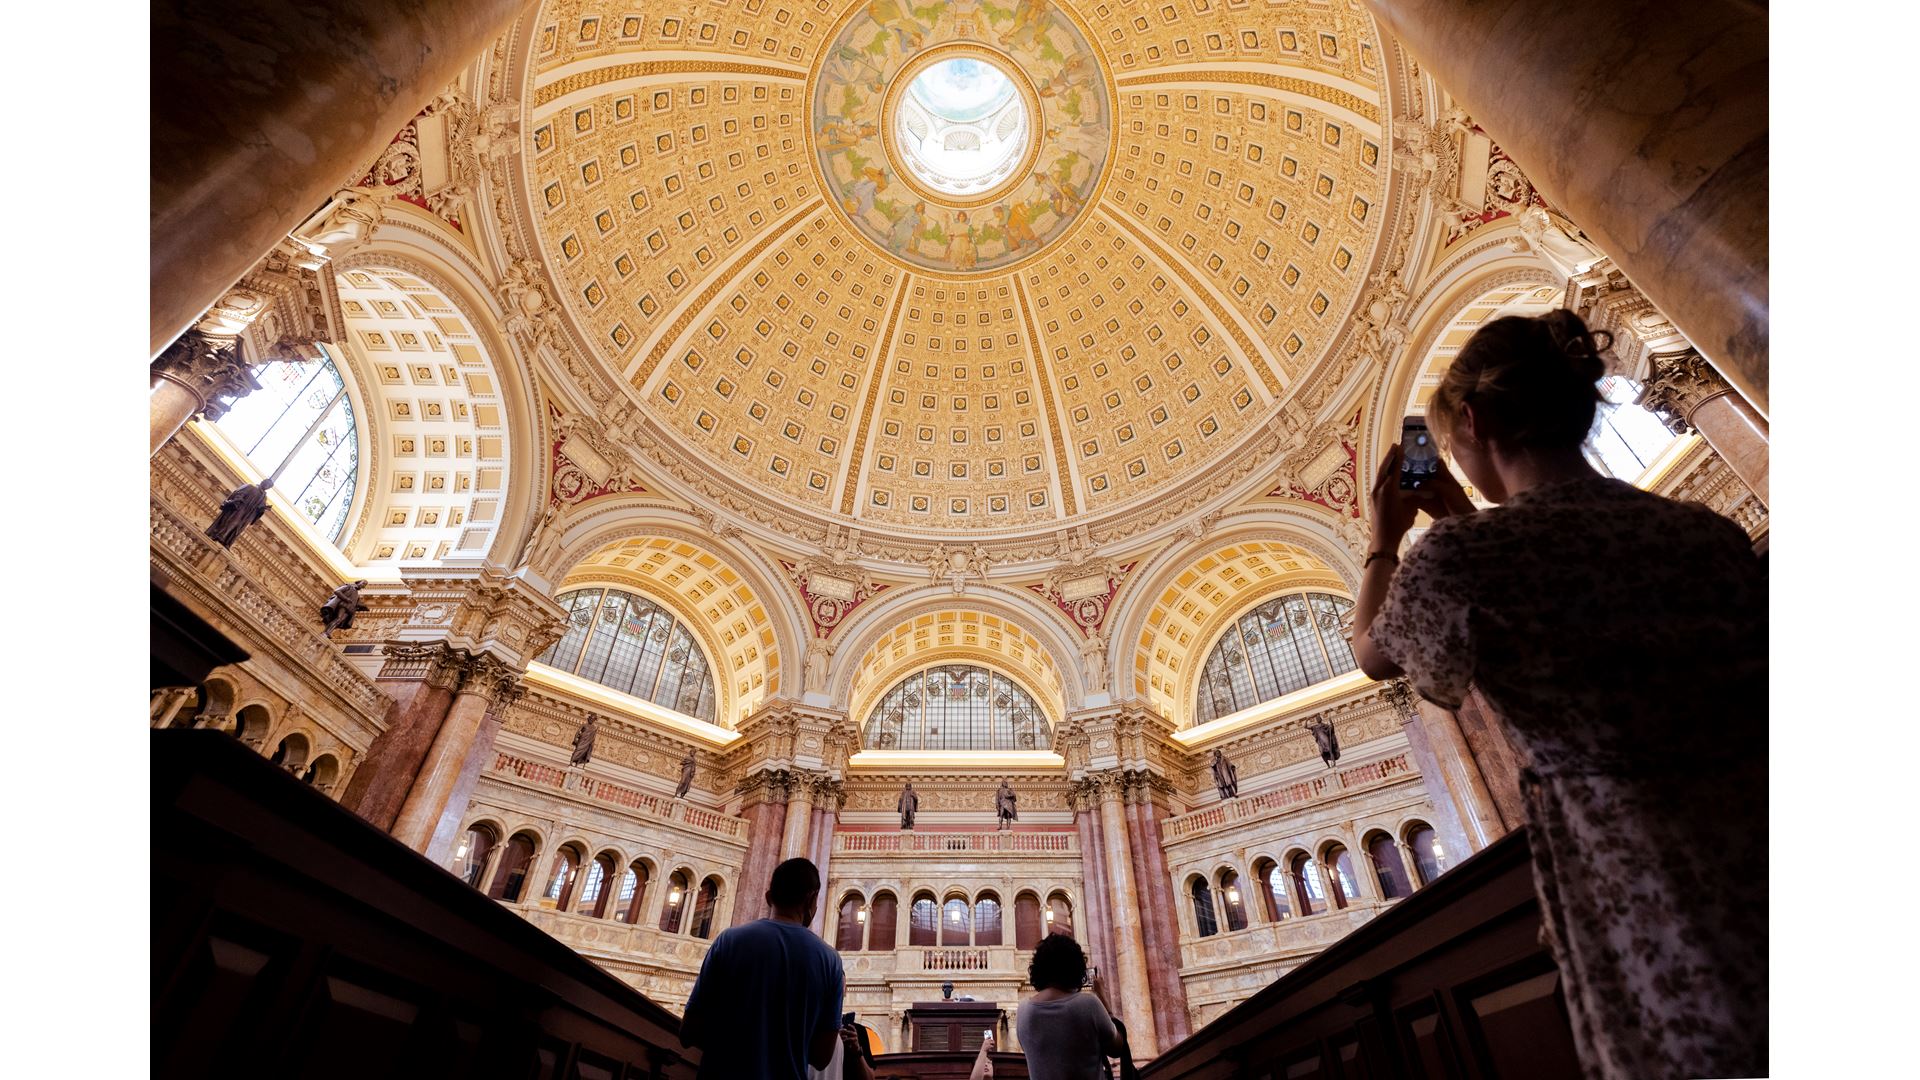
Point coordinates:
[[1429, 859], [470, 855], [249, 724], [704, 906], [1204, 919], [1627, 438], [853, 923], [625, 641], [1346, 887], [511, 879], [292, 752], [1306, 885], [954, 922], [298, 429], [1273, 891], [986, 920], [1231, 899], [957, 707], [594, 891], [633, 892], [1026, 921], [1059, 915], [677, 901], [1284, 644], [560, 880], [1387, 865], [883, 922], [323, 772], [923, 927]]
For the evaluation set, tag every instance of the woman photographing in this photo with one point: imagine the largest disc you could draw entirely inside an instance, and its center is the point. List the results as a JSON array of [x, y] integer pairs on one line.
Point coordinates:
[[1620, 639]]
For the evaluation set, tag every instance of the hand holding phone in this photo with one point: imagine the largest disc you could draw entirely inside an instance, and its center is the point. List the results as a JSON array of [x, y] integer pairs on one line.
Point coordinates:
[[1420, 463]]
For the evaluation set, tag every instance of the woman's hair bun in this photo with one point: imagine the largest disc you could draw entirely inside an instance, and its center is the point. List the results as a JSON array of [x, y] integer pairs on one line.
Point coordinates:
[[1530, 380], [1580, 346]]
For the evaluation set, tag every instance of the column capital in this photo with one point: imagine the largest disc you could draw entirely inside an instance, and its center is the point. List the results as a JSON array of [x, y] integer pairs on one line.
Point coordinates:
[[486, 611], [210, 368], [435, 663], [1678, 384]]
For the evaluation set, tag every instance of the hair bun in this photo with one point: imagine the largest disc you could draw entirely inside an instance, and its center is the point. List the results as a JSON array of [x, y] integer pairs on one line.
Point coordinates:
[[1581, 347]]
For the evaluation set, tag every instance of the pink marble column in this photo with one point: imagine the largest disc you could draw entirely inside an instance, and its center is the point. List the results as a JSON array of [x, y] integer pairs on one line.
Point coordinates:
[[766, 814], [824, 818], [420, 812], [1739, 434], [1499, 765], [1094, 917], [268, 107], [1129, 949], [1162, 936], [1443, 781], [1646, 122], [421, 680], [440, 846]]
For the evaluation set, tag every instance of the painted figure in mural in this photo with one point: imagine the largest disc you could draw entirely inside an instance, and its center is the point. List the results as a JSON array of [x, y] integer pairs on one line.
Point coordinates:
[[1071, 74], [897, 16], [1029, 22], [842, 134], [1064, 199], [909, 804], [242, 507], [1016, 221], [961, 252], [1329, 743], [859, 198], [906, 227], [687, 765], [1005, 804], [341, 606], [1226, 778], [583, 740]]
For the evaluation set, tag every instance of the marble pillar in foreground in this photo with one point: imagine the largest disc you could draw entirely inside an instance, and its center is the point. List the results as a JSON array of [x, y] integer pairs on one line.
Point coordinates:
[[1646, 122], [1687, 392], [264, 108], [1145, 809], [422, 680], [765, 809], [454, 755], [1132, 986]]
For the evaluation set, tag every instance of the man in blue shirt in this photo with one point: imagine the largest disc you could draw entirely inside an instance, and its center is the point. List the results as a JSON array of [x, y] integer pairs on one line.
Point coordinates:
[[767, 1002]]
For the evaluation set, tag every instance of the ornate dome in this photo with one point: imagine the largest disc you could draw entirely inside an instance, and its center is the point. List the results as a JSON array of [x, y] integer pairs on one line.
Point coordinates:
[[959, 267]]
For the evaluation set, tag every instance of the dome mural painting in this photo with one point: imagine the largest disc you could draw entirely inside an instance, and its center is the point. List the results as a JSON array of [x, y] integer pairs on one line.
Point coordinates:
[[961, 137]]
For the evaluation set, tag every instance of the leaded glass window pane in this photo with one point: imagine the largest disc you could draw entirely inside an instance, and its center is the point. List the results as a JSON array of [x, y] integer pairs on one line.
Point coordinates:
[[299, 429], [626, 642], [1283, 645], [957, 707]]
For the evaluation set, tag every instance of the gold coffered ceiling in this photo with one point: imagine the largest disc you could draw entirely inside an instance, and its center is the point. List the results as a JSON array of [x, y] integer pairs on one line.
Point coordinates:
[[675, 177]]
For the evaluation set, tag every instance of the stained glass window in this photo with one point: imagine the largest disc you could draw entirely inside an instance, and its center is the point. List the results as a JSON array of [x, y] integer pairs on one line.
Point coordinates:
[[957, 707], [298, 429], [626, 641], [1285, 644]]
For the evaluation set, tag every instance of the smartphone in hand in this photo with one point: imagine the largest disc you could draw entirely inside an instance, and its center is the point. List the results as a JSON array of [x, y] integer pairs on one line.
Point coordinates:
[[1420, 461]]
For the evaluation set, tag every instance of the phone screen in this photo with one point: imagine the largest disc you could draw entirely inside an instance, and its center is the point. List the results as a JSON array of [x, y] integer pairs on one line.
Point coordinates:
[[1419, 457], [846, 1019]]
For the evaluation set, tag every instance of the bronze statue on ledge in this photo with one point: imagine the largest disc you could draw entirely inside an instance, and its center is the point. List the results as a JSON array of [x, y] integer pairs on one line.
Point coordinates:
[[1226, 778], [1005, 804], [242, 507], [583, 740], [908, 804], [341, 606]]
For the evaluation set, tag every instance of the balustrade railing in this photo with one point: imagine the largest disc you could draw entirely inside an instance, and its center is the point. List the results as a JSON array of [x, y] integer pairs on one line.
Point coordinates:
[[550, 776], [1267, 803], [1047, 843], [956, 960]]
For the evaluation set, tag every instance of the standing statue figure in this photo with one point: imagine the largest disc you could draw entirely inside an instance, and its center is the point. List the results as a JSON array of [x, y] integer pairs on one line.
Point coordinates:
[[1226, 778], [687, 765], [908, 804], [242, 507], [1004, 804], [583, 740], [341, 606], [1328, 742]]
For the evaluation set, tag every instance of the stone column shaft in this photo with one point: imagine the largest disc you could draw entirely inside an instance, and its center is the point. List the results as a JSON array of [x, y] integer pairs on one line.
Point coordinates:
[[766, 823], [1656, 143], [1132, 986], [793, 842], [1161, 934], [1739, 434], [169, 406], [1480, 819], [268, 108], [420, 813], [1092, 922]]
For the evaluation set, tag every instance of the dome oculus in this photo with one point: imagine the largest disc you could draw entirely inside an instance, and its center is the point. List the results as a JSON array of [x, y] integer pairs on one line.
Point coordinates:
[[961, 127], [961, 144]]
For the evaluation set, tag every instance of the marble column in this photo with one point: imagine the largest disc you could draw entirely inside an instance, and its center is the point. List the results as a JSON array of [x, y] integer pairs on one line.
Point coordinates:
[[1161, 935], [479, 756], [1470, 807], [1686, 392], [166, 703], [452, 751], [793, 842], [1493, 752], [1132, 986], [1646, 123], [766, 814], [267, 108], [421, 680], [826, 812], [1093, 919], [196, 375]]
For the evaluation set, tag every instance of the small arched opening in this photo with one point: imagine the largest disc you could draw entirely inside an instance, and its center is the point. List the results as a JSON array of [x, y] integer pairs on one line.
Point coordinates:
[[883, 922], [1059, 914], [1205, 922], [1388, 867], [1231, 900], [1273, 890], [850, 929], [510, 881], [674, 911], [986, 919], [923, 926]]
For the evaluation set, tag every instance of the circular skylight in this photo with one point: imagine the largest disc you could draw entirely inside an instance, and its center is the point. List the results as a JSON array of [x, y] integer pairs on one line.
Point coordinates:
[[961, 127]]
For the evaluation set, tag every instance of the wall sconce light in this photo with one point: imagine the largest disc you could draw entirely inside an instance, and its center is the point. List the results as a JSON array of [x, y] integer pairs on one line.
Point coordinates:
[[462, 852], [860, 915], [1233, 896], [956, 914], [1049, 914], [673, 895]]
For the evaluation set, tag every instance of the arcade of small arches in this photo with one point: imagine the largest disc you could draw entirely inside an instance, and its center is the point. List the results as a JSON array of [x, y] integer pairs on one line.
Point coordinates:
[[950, 918], [1303, 882]]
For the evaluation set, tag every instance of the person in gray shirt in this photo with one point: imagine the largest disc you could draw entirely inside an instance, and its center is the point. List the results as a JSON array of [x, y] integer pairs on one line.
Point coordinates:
[[1066, 1034]]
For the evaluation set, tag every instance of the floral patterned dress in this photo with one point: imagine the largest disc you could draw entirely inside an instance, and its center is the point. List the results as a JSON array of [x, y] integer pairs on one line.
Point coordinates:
[[1621, 640]]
